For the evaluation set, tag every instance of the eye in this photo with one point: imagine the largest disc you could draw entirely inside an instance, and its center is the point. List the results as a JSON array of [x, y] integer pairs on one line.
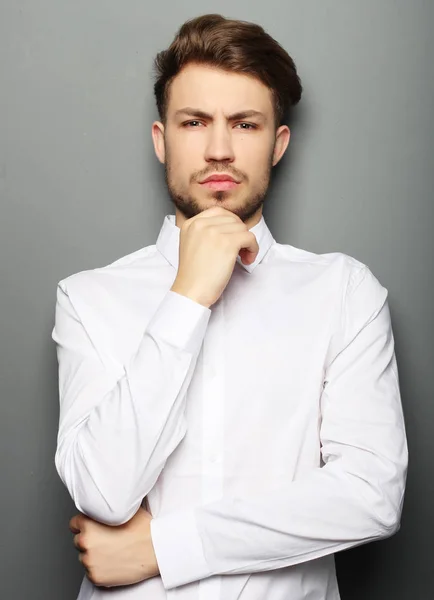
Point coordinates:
[[249, 126], [190, 123]]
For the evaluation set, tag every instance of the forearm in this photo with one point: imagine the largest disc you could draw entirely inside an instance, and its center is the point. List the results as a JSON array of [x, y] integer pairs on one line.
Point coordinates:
[[328, 511], [114, 438], [112, 460]]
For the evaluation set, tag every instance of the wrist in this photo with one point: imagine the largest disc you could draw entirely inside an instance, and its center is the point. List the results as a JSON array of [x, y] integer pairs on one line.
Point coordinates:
[[195, 296]]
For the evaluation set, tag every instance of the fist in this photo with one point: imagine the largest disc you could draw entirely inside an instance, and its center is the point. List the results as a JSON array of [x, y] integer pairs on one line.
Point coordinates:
[[113, 556], [208, 248]]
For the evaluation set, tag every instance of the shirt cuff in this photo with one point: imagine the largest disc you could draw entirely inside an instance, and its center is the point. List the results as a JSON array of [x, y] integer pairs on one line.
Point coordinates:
[[180, 321], [178, 549]]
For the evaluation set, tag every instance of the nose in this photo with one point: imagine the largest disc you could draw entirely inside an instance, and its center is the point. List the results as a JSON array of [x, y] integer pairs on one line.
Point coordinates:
[[219, 143]]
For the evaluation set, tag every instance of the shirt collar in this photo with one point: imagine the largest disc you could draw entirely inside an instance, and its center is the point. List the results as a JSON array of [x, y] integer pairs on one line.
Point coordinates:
[[168, 242]]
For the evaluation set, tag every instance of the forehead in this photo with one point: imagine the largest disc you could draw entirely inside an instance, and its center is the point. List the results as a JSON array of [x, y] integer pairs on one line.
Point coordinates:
[[214, 89]]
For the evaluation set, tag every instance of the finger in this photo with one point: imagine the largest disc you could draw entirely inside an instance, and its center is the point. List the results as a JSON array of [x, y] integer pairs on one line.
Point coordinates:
[[77, 543], [229, 227], [247, 258], [80, 558], [213, 211], [221, 219], [78, 521], [74, 524], [208, 220], [246, 240]]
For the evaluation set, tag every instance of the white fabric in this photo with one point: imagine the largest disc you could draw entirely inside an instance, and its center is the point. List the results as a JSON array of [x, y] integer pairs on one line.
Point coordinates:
[[265, 432]]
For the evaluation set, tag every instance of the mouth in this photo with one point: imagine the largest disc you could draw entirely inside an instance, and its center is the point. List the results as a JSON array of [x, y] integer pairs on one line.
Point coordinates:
[[220, 185]]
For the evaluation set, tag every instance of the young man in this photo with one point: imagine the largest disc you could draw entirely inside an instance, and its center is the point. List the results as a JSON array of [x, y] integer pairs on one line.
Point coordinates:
[[246, 390]]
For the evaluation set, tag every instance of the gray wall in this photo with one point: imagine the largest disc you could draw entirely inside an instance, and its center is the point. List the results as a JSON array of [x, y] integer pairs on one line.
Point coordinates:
[[80, 187]]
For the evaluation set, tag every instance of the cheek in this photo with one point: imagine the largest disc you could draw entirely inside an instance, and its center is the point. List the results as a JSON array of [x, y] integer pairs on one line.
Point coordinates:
[[255, 148], [179, 169], [253, 159], [185, 154], [189, 142]]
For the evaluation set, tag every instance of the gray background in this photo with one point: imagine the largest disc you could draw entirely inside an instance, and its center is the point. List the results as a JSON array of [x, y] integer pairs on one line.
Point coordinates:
[[80, 187]]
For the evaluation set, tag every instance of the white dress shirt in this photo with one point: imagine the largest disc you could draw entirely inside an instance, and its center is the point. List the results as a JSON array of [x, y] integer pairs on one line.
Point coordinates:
[[263, 433]]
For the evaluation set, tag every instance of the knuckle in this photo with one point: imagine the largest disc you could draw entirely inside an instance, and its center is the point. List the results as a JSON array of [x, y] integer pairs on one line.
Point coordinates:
[[228, 243], [96, 579], [83, 542], [213, 230], [216, 209], [81, 521], [91, 576], [195, 225]]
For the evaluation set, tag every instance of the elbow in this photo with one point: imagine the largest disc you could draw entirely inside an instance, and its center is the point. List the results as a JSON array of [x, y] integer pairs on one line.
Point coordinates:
[[112, 516], [389, 522], [113, 510], [379, 489], [109, 513], [387, 503]]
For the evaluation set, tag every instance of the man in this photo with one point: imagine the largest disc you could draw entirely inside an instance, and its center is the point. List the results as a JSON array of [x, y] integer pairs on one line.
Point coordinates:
[[245, 391]]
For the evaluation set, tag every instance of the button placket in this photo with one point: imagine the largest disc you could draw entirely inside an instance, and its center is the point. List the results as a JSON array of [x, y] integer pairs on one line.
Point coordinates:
[[213, 428]]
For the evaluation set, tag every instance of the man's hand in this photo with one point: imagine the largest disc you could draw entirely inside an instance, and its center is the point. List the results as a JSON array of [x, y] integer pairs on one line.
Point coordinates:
[[114, 556], [209, 244]]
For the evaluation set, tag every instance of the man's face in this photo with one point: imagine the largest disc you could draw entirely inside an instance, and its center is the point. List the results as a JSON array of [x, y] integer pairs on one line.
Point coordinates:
[[218, 123]]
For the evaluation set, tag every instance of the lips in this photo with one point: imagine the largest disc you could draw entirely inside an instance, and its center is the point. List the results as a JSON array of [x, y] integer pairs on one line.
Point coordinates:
[[222, 185], [219, 178]]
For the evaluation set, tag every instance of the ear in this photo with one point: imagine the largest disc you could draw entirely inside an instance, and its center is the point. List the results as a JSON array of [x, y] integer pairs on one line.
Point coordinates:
[[158, 139], [282, 140]]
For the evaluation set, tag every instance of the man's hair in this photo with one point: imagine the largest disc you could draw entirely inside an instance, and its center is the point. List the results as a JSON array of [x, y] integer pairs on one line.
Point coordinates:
[[234, 46]]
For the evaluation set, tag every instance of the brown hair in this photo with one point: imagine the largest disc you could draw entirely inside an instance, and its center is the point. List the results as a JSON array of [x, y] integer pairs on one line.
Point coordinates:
[[236, 46]]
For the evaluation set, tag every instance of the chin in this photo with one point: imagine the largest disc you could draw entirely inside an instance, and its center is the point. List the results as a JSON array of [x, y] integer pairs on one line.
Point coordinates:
[[220, 196]]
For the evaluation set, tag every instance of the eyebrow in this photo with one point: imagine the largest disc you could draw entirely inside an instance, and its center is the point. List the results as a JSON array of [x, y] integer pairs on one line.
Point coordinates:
[[196, 112]]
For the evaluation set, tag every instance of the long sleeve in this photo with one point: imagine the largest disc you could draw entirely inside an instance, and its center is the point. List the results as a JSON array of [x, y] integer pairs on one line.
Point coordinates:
[[354, 497], [117, 427]]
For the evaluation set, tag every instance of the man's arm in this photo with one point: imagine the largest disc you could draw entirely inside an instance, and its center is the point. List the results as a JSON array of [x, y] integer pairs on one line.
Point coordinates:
[[355, 498], [119, 423]]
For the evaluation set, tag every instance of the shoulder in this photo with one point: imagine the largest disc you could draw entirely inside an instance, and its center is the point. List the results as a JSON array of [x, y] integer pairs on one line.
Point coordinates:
[[348, 266], [112, 271], [346, 275]]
